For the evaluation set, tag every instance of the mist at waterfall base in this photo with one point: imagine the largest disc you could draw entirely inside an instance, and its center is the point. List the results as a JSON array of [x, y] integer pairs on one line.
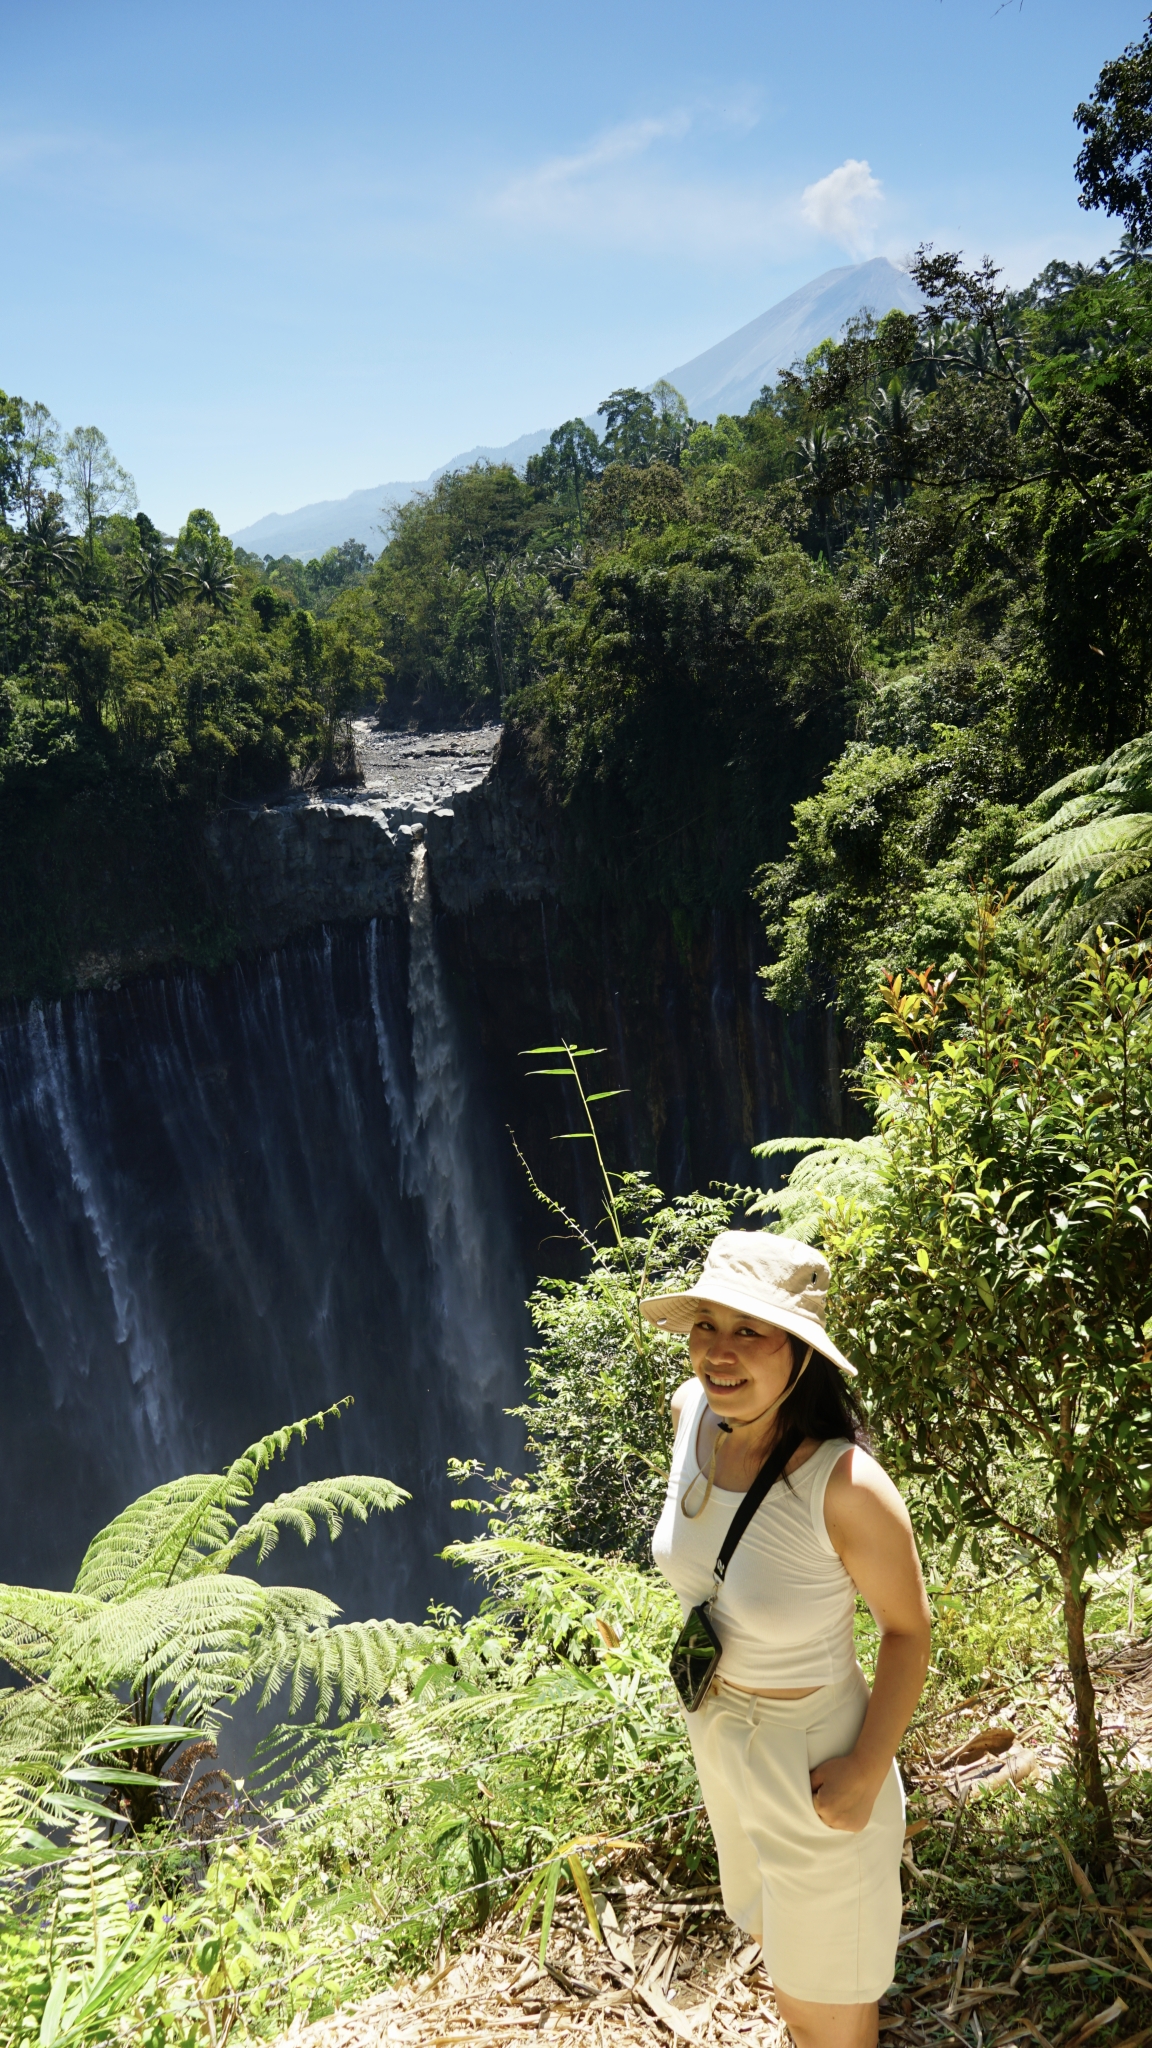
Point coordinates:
[[225, 1202]]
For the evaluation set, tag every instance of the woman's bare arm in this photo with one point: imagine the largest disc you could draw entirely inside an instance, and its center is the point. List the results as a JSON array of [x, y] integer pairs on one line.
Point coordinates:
[[869, 1528]]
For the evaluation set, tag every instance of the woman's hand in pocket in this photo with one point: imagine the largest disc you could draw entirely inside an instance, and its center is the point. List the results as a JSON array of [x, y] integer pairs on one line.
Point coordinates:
[[843, 1793]]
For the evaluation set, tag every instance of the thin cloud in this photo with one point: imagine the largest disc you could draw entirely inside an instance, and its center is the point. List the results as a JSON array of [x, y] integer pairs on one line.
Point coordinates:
[[631, 188], [28, 151], [568, 190], [617, 145], [845, 206]]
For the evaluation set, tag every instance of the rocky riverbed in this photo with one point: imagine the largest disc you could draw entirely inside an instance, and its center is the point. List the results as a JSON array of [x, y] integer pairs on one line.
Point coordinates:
[[421, 768], [319, 855]]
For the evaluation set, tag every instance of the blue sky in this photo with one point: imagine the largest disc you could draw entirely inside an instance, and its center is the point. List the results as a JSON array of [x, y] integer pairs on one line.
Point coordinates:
[[282, 252]]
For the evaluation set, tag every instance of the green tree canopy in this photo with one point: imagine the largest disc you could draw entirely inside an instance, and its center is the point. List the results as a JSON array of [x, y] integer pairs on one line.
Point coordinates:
[[563, 470], [1114, 167], [996, 1286], [205, 555], [645, 426], [457, 595], [685, 659], [95, 483]]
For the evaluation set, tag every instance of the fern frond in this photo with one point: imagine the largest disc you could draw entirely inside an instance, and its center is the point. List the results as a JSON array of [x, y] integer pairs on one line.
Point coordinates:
[[200, 1643], [351, 1664], [92, 1917], [1080, 810], [831, 1169], [1088, 849], [43, 1735], [32, 1623], [1118, 900], [504, 1560], [296, 1761], [159, 1618], [124, 1554], [38, 1723], [176, 1530], [323, 1500], [1130, 767], [1068, 856], [777, 1148]]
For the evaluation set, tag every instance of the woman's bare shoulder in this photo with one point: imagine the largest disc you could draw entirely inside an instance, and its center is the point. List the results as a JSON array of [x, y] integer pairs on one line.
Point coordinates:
[[858, 1484]]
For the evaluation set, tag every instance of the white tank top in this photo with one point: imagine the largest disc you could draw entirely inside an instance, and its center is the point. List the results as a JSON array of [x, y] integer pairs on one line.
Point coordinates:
[[784, 1613]]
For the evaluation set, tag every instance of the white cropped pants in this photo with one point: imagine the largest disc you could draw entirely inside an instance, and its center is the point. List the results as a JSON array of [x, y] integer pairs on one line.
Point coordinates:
[[824, 1905]]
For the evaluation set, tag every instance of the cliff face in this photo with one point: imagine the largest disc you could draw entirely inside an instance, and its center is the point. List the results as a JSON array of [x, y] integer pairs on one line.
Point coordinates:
[[234, 1193], [709, 1068], [318, 858]]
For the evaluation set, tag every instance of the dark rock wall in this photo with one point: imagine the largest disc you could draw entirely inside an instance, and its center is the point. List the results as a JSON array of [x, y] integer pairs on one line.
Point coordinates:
[[227, 1200], [228, 1197], [709, 1067]]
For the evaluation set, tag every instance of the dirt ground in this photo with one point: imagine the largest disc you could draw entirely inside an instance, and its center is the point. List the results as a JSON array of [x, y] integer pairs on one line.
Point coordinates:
[[1057, 1958]]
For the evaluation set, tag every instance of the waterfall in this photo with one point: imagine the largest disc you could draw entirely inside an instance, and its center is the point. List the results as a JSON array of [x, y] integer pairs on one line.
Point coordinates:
[[439, 1164], [226, 1200]]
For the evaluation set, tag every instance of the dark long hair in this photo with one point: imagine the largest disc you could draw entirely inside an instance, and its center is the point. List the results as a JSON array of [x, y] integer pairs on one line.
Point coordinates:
[[824, 1404]]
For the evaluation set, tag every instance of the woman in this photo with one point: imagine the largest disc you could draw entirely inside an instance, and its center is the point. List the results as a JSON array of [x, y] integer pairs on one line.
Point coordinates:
[[795, 1758]]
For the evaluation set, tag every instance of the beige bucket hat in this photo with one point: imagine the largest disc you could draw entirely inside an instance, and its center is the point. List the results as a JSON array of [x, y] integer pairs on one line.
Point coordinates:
[[776, 1279]]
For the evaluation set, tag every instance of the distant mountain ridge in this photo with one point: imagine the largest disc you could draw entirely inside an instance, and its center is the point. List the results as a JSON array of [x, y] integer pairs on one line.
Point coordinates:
[[725, 378], [729, 376], [361, 514]]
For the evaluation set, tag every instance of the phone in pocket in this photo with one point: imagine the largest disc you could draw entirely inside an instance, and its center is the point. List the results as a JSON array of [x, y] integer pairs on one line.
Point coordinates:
[[695, 1655]]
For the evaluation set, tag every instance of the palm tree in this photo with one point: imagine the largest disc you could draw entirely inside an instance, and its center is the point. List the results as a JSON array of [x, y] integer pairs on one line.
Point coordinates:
[[976, 352], [814, 452], [157, 580], [49, 549], [935, 354], [892, 414], [891, 424], [1089, 853], [205, 556], [211, 578]]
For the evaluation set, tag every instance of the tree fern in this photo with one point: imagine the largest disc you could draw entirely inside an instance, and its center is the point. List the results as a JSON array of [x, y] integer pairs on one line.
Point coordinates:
[[43, 1736], [189, 1526], [1089, 853], [829, 1169], [32, 1624], [355, 1661], [323, 1500], [158, 1619]]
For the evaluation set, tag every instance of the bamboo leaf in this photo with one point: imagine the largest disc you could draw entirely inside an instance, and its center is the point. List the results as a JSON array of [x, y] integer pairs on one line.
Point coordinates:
[[550, 1888], [580, 1880], [50, 2021], [142, 1736]]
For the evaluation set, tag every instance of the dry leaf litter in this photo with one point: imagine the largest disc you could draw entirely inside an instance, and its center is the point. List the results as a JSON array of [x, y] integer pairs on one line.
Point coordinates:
[[666, 1964]]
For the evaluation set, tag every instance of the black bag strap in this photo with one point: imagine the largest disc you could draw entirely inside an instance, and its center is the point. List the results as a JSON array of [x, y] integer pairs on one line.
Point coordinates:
[[761, 1486]]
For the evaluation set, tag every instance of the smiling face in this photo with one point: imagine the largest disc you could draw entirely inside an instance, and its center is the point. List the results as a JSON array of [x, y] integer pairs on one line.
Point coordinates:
[[744, 1364]]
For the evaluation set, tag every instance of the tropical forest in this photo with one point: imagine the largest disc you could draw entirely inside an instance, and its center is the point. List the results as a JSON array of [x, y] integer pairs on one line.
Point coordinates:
[[826, 726]]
